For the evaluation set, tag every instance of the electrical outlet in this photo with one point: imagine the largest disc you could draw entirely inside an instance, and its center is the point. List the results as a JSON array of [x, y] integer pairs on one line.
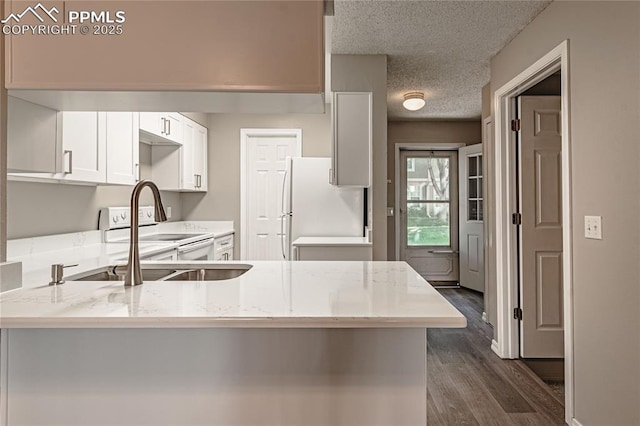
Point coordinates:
[[593, 227], [168, 212]]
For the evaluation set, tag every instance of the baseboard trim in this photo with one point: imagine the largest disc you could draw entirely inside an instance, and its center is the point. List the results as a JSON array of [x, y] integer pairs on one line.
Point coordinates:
[[484, 317], [495, 348], [574, 422]]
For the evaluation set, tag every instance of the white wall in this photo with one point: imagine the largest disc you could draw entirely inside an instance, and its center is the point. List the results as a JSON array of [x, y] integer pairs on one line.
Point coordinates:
[[368, 73], [222, 201], [604, 59]]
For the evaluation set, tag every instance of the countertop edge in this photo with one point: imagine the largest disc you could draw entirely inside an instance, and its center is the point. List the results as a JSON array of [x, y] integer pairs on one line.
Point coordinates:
[[203, 322]]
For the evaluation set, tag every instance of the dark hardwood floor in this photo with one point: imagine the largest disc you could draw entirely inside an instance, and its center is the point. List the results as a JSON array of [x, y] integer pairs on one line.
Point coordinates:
[[470, 385]]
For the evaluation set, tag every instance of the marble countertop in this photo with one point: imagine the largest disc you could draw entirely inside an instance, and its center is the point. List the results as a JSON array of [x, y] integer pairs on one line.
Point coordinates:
[[332, 242], [269, 295], [87, 250]]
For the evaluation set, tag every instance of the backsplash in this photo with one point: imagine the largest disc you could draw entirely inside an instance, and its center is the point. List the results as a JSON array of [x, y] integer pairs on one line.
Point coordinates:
[[40, 209]]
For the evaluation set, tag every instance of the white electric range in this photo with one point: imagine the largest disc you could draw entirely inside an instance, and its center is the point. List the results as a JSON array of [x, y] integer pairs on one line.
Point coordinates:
[[115, 222]]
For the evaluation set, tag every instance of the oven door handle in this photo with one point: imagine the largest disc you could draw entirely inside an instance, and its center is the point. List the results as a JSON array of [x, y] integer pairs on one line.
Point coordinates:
[[195, 246]]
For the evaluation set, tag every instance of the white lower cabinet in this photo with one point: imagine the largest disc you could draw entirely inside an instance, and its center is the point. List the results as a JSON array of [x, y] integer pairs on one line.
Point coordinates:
[[223, 247], [165, 255]]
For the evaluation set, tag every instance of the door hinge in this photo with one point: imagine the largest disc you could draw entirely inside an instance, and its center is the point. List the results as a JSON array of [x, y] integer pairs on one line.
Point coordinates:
[[515, 125], [517, 313], [516, 219]]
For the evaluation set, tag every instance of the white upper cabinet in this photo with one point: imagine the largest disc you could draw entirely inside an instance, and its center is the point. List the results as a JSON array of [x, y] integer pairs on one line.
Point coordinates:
[[84, 146], [200, 159], [184, 167], [352, 139], [82, 152], [33, 135], [123, 164], [161, 127]]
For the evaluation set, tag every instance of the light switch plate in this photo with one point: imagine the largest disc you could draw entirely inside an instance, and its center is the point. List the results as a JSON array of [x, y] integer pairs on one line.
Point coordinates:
[[593, 227]]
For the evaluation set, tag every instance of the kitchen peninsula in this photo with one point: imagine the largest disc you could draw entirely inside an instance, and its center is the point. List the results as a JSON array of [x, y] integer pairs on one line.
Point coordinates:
[[284, 343]]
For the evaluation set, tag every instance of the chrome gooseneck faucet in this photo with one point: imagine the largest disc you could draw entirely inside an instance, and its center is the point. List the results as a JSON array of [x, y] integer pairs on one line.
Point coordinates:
[[134, 275]]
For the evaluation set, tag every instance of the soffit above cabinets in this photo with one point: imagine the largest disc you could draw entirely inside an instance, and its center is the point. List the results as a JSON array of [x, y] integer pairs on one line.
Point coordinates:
[[219, 56], [208, 102]]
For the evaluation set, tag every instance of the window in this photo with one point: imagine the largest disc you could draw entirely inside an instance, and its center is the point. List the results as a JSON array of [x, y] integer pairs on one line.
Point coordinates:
[[428, 200], [474, 188]]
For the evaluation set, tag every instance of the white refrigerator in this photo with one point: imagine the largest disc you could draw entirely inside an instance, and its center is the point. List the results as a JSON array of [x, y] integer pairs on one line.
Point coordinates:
[[312, 207]]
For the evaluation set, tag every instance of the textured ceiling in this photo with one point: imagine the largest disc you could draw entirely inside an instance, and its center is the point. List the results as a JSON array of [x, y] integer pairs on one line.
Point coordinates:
[[441, 48]]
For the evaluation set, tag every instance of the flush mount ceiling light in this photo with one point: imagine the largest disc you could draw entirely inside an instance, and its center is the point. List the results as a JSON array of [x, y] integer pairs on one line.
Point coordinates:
[[413, 101]]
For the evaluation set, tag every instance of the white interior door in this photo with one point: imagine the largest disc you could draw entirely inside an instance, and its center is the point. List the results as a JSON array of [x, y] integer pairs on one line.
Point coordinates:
[[266, 152], [540, 142], [429, 213], [471, 217]]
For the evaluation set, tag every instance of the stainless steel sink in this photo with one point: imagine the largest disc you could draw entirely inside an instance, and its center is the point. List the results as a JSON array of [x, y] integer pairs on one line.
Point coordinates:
[[110, 275], [207, 274], [177, 272]]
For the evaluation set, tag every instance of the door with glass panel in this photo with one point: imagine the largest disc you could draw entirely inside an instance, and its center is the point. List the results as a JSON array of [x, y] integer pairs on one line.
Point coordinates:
[[429, 213], [471, 218]]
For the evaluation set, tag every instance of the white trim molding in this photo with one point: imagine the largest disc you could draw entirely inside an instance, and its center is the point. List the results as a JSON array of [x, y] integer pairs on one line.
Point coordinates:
[[244, 140], [412, 147], [506, 343]]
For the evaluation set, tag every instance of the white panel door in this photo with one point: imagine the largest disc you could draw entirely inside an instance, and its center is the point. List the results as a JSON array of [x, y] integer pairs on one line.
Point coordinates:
[[265, 170], [84, 142], [123, 165], [471, 217], [541, 328]]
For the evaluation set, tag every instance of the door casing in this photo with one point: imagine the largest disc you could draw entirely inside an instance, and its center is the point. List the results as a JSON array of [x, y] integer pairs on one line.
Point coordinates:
[[245, 134], [506, 339]]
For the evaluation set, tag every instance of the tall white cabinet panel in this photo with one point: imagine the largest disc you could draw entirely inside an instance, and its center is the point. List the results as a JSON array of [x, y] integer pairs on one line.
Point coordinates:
[[123, 166], [33, 138], [188, 178], [200, 159], [84, 146], [352, 139]]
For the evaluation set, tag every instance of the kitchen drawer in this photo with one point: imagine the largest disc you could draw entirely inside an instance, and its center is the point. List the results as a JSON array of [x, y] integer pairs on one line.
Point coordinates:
[[225, 254], [224, 243], [165, 255]]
